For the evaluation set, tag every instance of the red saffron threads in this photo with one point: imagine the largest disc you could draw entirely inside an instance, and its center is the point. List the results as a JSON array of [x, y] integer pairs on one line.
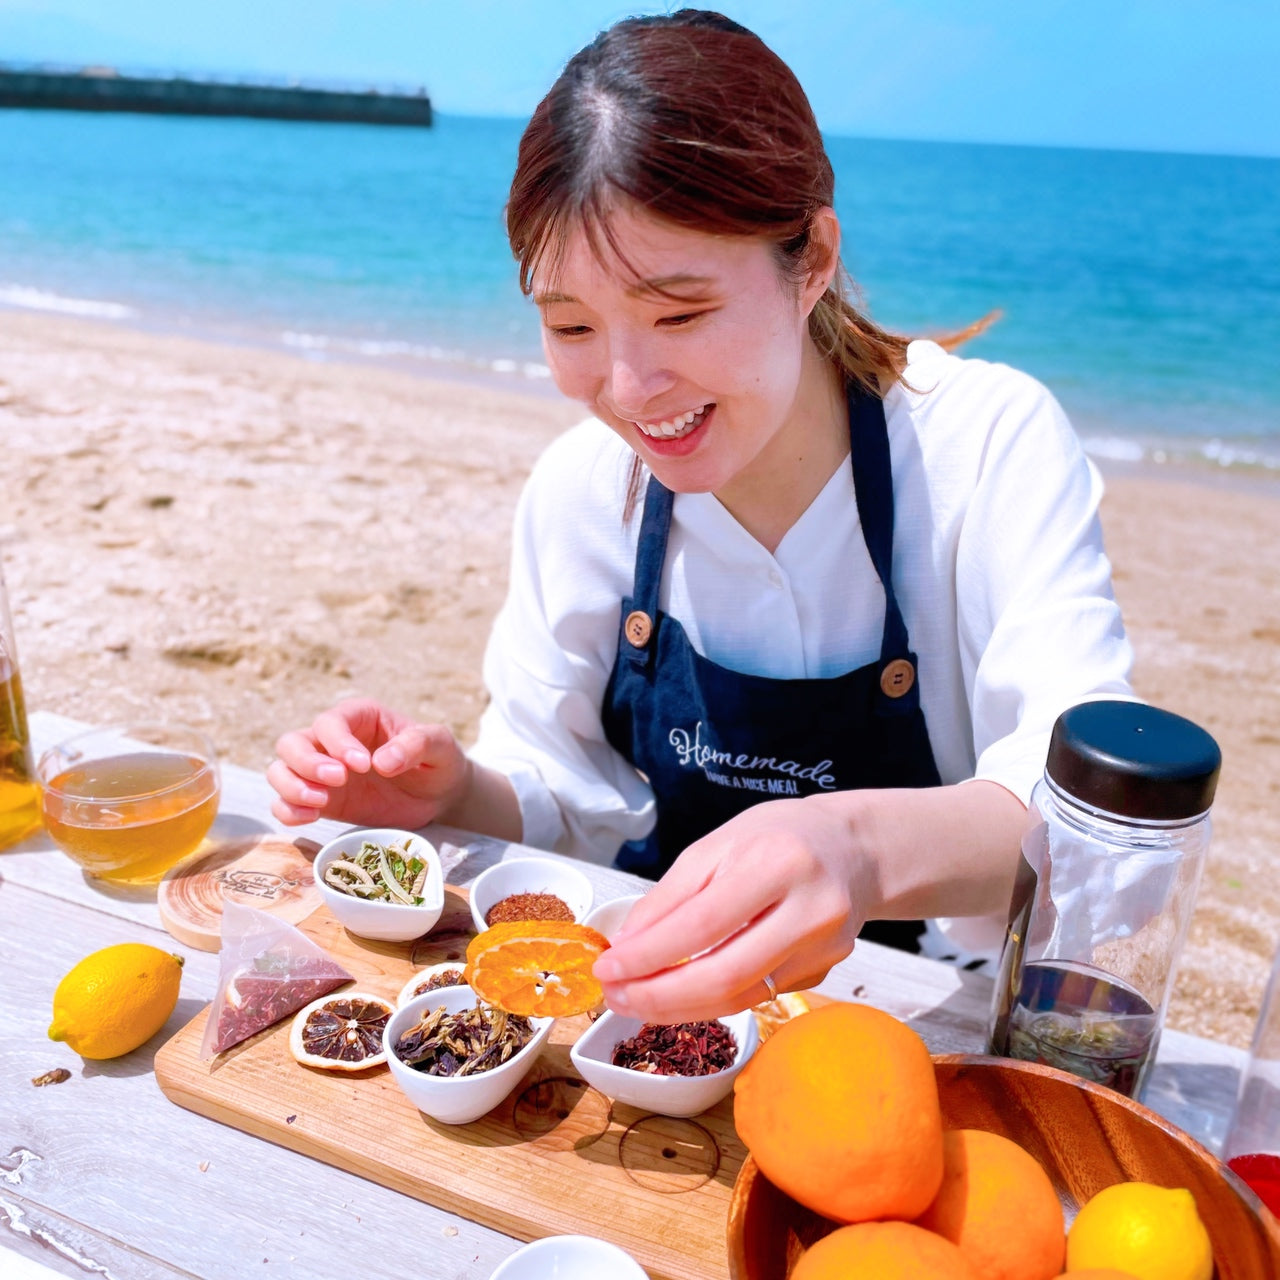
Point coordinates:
[[678, 1049], [528, 906]]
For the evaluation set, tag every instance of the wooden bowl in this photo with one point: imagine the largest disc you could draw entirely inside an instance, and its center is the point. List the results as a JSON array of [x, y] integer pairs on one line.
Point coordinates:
[[1086, 1137]]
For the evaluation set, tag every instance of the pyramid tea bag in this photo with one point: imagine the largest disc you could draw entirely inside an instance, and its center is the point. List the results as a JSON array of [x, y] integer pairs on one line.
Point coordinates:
[[267, 970]]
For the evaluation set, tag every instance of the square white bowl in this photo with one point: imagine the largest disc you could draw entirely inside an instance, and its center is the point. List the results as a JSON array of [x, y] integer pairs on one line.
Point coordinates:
[[445, 966], [569, 1258], [592, 1056], [383, 921], [530, 875], [454, 1099]]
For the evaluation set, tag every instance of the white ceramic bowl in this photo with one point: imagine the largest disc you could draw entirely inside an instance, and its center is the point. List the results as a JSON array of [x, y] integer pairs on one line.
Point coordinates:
[[592, 1055], [454, 1099], [407, 992], [569, 1258], [530, 875], [383, 921], [609, 916]]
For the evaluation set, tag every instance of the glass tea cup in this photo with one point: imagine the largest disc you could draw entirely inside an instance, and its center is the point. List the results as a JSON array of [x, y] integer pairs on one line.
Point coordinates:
[[128, 801], [1252, 1147]]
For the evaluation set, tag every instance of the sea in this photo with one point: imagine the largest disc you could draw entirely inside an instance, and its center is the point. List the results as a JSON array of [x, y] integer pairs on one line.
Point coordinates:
[[1142, 288]]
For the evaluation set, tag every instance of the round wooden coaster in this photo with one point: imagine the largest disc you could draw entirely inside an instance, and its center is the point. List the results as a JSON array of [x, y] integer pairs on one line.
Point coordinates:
[[269, 872]]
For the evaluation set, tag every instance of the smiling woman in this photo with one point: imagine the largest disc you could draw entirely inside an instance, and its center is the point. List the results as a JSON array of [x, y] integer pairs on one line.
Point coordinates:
[[792, 614]]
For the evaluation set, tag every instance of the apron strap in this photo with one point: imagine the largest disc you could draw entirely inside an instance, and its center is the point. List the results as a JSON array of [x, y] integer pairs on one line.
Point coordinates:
[[873, 487], [651, 555]]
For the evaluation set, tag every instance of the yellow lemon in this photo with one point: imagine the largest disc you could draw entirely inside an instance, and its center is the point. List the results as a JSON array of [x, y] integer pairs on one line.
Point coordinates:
[[1153, 1232], [115, 999]]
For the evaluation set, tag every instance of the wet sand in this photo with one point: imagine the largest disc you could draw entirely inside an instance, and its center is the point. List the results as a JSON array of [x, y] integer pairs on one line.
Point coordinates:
[[244, 537]]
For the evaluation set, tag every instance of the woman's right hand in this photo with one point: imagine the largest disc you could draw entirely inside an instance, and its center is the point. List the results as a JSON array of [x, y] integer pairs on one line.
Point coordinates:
[[363, 763]]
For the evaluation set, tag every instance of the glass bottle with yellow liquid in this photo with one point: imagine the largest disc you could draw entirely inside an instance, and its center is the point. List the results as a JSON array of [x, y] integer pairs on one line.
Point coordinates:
[[19, 793]]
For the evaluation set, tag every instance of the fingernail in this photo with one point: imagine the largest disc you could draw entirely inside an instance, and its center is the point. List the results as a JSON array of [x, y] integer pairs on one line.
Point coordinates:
[[391, 758], [616, 1000], [606, 969], [357, 759], [316, 799], [332, 774]]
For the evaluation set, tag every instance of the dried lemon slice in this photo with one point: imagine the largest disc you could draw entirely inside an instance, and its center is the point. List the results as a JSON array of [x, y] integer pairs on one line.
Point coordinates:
[[537, 968], [773, 1013], [341, 1033]]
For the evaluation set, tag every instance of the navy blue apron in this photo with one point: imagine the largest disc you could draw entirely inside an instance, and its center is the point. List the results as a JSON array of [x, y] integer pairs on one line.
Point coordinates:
[[712, 742]]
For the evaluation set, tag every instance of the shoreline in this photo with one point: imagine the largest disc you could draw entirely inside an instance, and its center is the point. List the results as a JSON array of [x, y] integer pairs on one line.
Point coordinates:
[[1210, 459], [245, 536]]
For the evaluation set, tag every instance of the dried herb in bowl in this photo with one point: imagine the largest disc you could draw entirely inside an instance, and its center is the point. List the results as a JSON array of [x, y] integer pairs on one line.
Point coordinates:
[[678, 1049], [380, 873], [528, 906], [446, 978], [463, 1044]]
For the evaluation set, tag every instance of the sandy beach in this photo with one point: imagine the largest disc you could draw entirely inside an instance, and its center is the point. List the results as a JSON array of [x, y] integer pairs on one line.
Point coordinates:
[[242, 537]]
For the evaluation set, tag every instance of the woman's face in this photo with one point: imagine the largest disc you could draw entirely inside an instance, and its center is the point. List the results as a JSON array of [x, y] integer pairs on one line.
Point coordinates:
[[691, 350]]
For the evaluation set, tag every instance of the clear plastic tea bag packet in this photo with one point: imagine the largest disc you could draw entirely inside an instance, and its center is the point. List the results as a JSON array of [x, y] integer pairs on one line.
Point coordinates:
[[19, 796], [1117, 834]]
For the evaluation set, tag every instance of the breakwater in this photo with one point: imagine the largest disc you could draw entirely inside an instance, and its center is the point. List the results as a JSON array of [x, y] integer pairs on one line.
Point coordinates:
[[103, 89]]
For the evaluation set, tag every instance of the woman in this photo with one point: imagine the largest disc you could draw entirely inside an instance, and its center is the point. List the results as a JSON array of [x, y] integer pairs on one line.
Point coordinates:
[[707, 665]]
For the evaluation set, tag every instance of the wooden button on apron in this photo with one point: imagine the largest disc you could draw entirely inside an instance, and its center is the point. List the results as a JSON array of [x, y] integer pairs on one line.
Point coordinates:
[[895, 680], [638, 628]]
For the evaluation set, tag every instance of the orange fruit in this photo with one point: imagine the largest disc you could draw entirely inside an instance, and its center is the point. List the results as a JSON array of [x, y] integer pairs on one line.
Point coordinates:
[[998, 1207], [840, 1109], [885, 1251], [538, 968], [1097, 1273]]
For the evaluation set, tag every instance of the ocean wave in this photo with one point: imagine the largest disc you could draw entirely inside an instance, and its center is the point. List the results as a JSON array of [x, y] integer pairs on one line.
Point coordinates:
[[1114, 448], [398, 349], [19, 295], [1235, 455]]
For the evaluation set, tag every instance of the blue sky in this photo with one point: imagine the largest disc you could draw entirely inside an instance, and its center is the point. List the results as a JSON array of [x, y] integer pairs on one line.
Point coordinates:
[[1180, 75]]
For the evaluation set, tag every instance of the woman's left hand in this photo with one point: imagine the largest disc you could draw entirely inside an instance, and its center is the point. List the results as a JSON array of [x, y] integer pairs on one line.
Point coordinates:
[[790, 869]]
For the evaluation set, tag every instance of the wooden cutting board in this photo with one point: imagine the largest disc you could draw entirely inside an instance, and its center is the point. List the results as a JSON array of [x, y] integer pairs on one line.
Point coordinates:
[[555, 1158]]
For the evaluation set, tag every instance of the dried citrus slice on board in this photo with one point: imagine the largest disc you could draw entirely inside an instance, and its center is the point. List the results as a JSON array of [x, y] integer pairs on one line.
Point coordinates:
[[538, 968], [341, 1033], [773, 1013]]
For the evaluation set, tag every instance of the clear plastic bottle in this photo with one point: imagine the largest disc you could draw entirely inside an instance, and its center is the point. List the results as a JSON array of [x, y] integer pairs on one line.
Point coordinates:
[[1117, 834], [1252, 1147]]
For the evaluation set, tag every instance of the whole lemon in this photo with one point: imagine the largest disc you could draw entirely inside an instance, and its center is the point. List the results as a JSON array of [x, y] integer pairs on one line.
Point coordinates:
[[1153, 1232], [115, 999]]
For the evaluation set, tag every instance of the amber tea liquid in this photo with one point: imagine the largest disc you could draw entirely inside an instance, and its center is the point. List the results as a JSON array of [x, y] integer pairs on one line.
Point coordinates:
[[1081, 1020], [167, 803], [19, 793]]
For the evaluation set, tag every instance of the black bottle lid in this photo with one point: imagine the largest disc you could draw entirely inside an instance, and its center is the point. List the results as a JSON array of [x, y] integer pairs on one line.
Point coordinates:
[[1134, 760]]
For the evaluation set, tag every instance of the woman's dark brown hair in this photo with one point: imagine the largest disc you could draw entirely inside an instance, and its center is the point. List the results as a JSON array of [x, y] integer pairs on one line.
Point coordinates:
[[695, 119]]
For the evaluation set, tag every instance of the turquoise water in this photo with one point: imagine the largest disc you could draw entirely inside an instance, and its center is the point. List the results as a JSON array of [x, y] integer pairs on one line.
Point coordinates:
[[1142, 288]]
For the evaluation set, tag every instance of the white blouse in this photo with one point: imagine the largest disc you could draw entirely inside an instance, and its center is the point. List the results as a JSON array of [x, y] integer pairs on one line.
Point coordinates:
[[998, 564]]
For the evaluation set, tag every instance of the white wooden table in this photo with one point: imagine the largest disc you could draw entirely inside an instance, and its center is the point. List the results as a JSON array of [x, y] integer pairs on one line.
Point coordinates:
[[102, 1176]]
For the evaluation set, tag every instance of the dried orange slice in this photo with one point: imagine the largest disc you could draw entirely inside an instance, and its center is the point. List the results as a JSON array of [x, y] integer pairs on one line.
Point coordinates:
[[773, 1013], [538, 968], [342, 1032]]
